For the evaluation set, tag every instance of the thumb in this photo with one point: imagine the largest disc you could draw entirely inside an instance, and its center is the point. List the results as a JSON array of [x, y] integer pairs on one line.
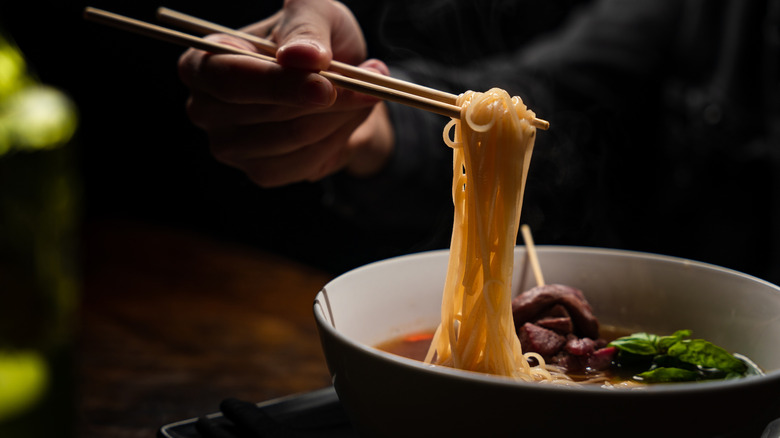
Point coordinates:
[[304, 36]]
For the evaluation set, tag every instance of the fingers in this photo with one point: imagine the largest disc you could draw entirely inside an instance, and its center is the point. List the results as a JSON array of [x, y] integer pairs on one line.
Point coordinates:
[[223, 101], [245, 80], [305, 30], [281, 122], [280, 144], [312, 32], [311, 161], [236, 144], [210, 113]]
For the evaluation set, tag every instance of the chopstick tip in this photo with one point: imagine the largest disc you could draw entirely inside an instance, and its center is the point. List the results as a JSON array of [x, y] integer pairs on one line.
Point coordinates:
[[541, 124], [162, 11], [89, 10]]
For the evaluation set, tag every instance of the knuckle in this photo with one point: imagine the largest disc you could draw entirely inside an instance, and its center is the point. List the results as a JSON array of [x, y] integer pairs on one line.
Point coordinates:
[[221, 154], [224, 150], [195, 113], [185, 66]]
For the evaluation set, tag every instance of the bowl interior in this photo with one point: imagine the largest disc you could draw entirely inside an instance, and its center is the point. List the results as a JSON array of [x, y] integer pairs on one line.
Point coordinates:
[[636, 291]]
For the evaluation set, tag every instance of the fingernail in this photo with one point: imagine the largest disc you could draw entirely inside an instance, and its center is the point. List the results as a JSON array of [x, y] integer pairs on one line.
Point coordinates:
[[303, 54], [312, 43]]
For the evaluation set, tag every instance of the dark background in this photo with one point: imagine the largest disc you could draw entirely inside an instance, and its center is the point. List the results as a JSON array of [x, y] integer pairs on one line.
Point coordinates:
[[141, 159]]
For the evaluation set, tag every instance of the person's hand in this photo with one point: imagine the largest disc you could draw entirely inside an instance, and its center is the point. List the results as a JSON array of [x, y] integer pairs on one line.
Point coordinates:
[[283, 123]]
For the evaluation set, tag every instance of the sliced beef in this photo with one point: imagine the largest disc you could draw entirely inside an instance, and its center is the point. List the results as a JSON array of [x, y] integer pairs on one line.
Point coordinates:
[[562, 325], [555, 311], [540, 340], [579, 346], [534, 302], [602, 358], [556, 318], [557, 322], [595, 360]]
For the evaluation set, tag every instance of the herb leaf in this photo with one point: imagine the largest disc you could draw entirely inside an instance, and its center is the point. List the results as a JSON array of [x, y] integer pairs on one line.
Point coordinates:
[[643, 344], [675, 358], [706, 355], [647, 344], [665, 342], [666, 375]]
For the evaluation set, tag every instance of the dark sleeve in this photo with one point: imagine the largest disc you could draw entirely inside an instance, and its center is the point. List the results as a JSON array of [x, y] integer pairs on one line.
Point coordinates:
[[608, 55], [412, 190], [600, 59]]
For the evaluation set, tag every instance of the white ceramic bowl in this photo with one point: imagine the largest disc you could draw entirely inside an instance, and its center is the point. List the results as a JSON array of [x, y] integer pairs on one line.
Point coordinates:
[[390, 396]]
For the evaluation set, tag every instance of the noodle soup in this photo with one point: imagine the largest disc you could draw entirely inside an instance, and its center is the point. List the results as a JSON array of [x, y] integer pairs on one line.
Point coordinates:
[[389, 395], [476, 380]]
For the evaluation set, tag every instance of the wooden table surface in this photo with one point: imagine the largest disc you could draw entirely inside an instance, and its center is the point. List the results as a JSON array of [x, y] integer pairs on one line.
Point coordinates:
[[173, 322]]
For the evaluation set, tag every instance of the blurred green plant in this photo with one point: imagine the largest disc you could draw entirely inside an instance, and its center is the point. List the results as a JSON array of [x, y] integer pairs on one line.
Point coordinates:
[[32, 115], [13, 69], [24, 379], [38, 267]]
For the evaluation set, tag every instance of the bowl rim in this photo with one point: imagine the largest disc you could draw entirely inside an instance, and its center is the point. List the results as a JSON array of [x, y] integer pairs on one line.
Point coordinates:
[[321, 305]]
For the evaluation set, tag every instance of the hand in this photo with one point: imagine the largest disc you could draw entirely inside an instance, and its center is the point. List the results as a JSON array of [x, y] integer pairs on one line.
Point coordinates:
[[284, 123]]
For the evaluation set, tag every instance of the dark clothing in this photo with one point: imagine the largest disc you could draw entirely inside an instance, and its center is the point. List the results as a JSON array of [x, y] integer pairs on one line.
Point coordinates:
[[664, 134]]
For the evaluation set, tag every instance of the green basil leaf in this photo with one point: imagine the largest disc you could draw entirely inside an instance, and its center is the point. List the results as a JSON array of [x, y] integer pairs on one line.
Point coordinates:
[[667, 375], [644, 344], [706, 355], [664, 342]]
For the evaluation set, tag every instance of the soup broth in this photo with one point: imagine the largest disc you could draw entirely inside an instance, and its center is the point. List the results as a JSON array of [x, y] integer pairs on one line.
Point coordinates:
[[415, 346]]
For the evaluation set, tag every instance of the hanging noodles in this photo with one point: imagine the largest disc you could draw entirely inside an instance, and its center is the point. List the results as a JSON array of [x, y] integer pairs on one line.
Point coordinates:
[[492, 146]]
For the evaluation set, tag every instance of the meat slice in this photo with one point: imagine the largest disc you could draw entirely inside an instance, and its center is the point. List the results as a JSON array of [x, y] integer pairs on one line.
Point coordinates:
[[556, 311], [540, 340], [580, 346], [556, 318], [561, 325], [529, 305], [557, 322], [602, 358]]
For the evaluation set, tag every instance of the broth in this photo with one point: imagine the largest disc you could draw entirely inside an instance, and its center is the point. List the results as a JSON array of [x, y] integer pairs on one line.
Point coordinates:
[[415, 346]]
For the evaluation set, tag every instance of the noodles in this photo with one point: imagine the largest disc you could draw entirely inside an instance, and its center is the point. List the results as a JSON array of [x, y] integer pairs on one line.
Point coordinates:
[[492, 147]]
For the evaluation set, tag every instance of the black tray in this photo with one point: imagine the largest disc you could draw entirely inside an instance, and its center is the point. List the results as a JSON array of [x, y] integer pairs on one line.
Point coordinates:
[[316, 414]]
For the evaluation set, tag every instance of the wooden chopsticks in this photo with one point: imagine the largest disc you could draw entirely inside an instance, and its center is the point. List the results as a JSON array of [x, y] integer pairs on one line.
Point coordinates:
[[342, 75], [204, 27]]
